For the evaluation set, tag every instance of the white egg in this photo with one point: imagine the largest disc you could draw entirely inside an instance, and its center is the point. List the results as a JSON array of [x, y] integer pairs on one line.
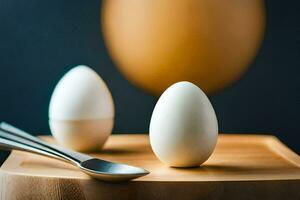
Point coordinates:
[[183, 127], [81, 110]]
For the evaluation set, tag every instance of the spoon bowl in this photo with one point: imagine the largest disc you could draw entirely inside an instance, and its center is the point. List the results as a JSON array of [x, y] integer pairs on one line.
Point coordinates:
[[109, 171]]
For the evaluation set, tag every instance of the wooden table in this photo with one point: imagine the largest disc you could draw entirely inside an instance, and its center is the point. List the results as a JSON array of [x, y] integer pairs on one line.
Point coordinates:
[[241, 167]]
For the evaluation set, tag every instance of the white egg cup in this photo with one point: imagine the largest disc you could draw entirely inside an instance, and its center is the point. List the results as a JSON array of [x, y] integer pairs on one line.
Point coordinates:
[[82, 135]]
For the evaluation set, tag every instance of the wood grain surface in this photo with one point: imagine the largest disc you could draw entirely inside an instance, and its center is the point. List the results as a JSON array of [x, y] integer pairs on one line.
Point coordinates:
[[241, 167]]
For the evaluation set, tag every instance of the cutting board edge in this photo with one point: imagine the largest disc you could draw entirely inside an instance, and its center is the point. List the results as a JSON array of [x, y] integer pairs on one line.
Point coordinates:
[[276, 145], [21, 175]]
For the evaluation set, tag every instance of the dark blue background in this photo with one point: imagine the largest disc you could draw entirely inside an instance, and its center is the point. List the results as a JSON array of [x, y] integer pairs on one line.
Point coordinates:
[[41, 40]]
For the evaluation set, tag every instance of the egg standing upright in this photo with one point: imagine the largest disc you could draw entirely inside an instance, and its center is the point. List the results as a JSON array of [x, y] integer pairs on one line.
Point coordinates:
[[81, 110], [183, 127]]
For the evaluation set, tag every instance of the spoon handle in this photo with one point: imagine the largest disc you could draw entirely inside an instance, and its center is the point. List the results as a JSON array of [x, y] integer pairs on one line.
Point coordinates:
[[10, 142], [75, 156]]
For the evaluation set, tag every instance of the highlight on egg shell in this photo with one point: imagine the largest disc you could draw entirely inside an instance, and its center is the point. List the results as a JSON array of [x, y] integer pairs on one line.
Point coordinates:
[[183, 127], [81, 110]]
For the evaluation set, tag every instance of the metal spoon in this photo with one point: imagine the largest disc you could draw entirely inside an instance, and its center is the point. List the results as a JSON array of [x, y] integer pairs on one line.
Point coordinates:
[[14, 138]]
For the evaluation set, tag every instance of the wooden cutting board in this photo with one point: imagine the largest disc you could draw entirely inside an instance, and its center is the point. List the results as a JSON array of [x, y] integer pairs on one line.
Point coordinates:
[[241, 167]]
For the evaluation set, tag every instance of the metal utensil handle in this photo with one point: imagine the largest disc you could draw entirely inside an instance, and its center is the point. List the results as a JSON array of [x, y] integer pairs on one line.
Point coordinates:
[[11, 142], [79, 157], [11, 145]]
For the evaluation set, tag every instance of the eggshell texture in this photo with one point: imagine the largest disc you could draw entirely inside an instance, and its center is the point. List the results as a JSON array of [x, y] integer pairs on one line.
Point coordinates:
[[81, 110], [81, 94], [183, 127]]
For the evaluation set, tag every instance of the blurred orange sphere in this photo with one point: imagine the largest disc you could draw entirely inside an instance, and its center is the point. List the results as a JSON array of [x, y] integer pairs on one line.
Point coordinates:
[[155, 43]]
